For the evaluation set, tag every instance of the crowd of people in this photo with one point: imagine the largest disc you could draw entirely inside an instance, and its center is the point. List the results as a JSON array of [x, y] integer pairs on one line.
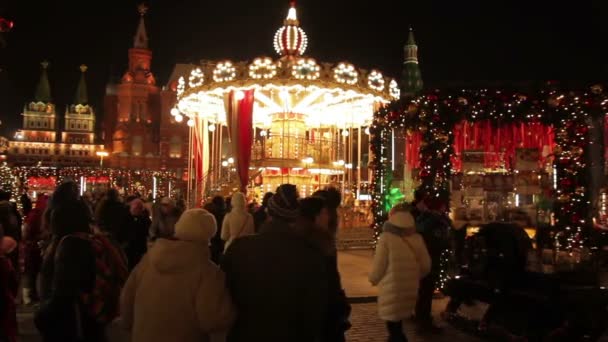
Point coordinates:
[[163, 272]]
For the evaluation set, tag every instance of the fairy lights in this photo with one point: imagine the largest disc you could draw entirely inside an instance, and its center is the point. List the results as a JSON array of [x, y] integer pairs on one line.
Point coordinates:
[[434, 115], [196, 78], [345, 73], [375, 80], [181, 86], [262, 68], [394, 90], [224, 72], [306, 69]]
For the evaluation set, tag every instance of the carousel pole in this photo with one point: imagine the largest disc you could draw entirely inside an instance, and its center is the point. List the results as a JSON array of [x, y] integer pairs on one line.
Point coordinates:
[[189, 192], [219, 152], [212, 159], [358, 162]]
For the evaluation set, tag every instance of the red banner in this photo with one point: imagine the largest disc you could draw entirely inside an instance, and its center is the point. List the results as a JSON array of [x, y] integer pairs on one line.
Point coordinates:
[[239, 118]]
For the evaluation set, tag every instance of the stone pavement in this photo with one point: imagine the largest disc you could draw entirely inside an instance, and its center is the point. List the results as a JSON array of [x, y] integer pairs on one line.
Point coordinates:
[[354, 267]]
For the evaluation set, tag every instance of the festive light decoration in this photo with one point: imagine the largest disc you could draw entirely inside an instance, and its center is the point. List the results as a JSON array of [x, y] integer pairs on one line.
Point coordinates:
[[181, 86], [394, 90], [394, 197], [375, 80], [129, 180], [306, 69], [262, 68], [345, 73], [290, 39], [224, 72], [196, 78], [6, 177], [434, 115]]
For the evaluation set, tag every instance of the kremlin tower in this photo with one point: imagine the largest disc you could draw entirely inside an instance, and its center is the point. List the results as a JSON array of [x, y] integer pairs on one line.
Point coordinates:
[[38, 143], [138, 130], [411, 80]]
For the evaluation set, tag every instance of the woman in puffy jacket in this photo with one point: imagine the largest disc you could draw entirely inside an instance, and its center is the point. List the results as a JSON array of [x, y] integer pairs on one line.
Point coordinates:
[[176, 293], [238, 222], [400, 262]]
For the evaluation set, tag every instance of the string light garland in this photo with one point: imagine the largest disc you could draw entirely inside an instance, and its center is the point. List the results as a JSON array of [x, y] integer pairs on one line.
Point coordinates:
[[130, 180], [434, 114]]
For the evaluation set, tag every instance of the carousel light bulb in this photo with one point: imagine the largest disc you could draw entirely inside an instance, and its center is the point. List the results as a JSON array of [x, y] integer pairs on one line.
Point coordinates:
[[367, 130], [179, 118], [230, 160], [224, 163], [190, 123], [263, 133], [211, 128], [174, 111], [344, 133], [240, 95]]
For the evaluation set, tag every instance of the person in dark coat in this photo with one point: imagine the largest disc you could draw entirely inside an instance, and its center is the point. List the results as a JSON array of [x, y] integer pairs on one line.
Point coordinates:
[[314, 225], [261, 216], [217, 208], [278, 279], [112, 217], [33, 233], [138, 226], [11, 221], [434, 226], [9, 284], [68, 270], [26, 203]]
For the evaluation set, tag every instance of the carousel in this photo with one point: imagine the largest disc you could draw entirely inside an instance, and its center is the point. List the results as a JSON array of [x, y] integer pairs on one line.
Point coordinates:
[[258, 124]]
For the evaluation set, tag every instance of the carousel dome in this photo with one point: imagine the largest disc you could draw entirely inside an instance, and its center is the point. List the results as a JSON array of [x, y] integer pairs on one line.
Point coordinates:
[[290, 39]]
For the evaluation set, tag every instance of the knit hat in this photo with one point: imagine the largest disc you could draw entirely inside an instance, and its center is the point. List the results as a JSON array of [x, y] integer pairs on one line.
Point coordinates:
[[284, 204], [195, 225], [402, 219]]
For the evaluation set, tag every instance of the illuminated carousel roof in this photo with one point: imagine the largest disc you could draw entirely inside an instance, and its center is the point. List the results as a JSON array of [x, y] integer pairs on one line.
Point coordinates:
[[327, 94]]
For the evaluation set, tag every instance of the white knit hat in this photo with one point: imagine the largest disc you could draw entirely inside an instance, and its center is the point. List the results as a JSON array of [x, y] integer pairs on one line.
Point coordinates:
[[402, 219], [195, 225]]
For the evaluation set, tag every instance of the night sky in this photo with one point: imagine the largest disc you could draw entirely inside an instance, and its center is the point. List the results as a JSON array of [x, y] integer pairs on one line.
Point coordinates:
[[459, 41]]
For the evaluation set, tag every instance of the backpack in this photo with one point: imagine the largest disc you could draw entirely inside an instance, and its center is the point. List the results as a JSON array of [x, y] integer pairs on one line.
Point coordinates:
[[111, 273]]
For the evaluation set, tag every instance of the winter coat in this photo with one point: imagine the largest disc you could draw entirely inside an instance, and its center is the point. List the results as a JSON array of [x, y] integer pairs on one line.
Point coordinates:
[[281, 293], [238, 222], [337, 322], [10, 220], [400, 262], [176, 294], [8, 293], [68, 270], [163, 225], [435, 230], [33, 233], [137, 238]]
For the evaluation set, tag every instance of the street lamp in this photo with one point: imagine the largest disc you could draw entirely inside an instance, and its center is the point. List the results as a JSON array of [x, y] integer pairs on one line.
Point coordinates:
[[101, 155]]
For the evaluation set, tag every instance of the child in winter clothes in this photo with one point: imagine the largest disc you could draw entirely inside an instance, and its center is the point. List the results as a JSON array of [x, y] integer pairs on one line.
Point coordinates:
[[400, 262]]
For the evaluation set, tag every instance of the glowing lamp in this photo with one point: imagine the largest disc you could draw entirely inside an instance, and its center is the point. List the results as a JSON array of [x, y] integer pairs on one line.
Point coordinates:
[[190, 123], [211, 128], [174, 111], [179, 118]]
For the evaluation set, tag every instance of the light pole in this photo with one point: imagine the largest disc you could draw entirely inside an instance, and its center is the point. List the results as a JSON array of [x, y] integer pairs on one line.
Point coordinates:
[[101, 155]]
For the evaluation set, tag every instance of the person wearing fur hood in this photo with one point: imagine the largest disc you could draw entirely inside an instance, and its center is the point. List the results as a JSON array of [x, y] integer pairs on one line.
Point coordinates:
[[176, 293], [401, 260]]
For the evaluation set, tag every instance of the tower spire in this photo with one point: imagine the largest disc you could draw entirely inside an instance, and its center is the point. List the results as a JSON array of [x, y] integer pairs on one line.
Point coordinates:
[[141, 37], [411, 80], [43, 89], [82, 97]]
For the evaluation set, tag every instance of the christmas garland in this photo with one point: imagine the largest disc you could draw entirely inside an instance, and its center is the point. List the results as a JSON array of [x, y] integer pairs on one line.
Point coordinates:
[[436, 113], [117, 177]]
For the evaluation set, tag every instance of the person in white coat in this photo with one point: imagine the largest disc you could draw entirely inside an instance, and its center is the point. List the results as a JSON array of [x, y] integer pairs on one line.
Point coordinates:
[[401, 260], [238, 222]]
